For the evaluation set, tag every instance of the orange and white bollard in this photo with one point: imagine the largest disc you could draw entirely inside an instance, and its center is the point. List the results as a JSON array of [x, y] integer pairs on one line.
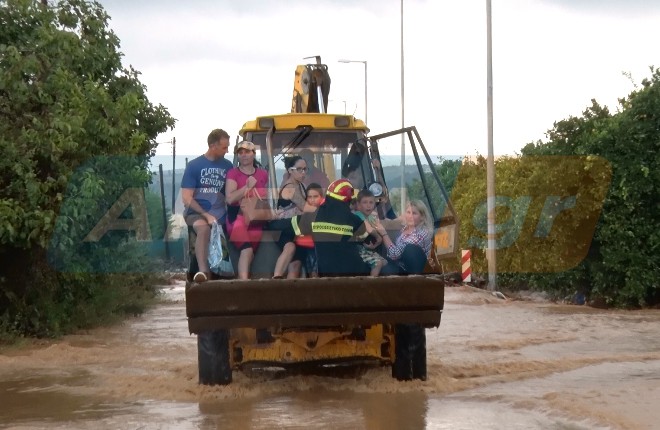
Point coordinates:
[[465, 265]]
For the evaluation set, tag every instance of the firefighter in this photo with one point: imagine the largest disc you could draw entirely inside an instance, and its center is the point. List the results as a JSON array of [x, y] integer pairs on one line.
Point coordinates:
[[336, 231]]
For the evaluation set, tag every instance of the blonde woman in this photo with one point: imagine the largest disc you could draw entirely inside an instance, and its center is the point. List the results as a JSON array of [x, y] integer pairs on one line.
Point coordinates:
[[408, 254]]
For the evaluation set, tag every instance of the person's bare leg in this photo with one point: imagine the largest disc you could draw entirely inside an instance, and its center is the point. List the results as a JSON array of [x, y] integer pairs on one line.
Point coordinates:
[[244, 262], [293, 271], [203, 231], [284, 259], [375, 271]]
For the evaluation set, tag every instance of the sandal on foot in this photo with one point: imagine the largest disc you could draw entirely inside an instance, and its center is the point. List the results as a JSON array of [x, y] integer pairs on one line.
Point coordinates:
[[200, 277]]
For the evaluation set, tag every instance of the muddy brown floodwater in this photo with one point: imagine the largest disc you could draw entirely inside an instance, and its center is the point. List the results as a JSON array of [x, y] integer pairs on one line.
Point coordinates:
[[492, 364]]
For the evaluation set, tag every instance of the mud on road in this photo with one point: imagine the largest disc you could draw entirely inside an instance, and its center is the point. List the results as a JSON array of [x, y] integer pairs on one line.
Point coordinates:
[[492, 363]]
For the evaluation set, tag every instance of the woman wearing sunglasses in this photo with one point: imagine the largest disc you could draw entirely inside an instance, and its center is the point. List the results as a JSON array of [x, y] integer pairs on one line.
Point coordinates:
[[247, 180], [291, 202]]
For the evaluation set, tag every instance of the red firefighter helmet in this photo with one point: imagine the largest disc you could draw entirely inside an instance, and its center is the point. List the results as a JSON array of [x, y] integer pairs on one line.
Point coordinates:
[[340, 189]]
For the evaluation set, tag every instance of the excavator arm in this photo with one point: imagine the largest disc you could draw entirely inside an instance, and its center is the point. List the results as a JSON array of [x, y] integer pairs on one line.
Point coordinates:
[[311, 85]]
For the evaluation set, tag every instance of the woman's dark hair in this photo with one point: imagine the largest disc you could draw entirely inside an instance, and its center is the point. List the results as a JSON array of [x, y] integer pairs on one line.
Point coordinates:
[[289, 162]]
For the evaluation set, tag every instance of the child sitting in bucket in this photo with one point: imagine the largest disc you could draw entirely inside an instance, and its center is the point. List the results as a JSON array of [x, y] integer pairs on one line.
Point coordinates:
[[365, 204], [304, 243]]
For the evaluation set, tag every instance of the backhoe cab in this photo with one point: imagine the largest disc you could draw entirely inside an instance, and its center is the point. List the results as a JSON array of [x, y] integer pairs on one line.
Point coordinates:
[[322, 321]]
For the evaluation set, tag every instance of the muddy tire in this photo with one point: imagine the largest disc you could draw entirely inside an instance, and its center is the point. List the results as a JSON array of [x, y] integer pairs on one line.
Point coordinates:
[[409, 352], [213, 357]]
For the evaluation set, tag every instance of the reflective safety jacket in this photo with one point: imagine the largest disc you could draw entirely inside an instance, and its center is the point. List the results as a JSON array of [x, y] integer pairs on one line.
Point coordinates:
[[337, 233]]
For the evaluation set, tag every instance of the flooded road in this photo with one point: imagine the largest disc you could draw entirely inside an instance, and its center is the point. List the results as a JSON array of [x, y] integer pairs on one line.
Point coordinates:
[[492, 364]]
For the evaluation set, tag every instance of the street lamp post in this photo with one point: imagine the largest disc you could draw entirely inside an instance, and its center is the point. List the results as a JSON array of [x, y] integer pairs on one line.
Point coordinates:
[[490, 161], [403, 139], [365, 84]]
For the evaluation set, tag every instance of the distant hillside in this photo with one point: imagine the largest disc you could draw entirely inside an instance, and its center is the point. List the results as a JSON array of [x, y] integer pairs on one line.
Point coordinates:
[[388, 160], [392, 177]]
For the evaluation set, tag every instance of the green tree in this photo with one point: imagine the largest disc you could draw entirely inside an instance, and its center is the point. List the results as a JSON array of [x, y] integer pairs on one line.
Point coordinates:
[[545, 212], [434, 197], [623, 261], [447, 171], [65, 100]]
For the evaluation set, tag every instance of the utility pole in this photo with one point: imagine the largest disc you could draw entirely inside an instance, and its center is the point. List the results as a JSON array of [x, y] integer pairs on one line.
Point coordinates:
[[490, 161], [366, 121], [162, 202], [403, 138], [173, 172]]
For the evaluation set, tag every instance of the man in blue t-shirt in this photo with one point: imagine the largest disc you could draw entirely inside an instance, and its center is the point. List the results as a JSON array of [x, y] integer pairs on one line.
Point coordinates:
[[203, 194]]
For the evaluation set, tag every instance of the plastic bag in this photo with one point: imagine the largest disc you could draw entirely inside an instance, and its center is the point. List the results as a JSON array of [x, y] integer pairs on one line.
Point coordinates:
[[219, 261]]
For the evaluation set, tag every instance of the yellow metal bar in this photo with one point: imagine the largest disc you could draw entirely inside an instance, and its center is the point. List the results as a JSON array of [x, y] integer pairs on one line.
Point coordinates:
[[291, 121]]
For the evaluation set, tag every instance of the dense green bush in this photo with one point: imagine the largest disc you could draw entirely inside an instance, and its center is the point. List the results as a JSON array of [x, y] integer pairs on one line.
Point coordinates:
[[577, 213], [624, 259], [76, 131]]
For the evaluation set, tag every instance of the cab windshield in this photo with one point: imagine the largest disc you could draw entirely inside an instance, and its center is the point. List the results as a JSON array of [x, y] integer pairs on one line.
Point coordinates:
[[335, 153]]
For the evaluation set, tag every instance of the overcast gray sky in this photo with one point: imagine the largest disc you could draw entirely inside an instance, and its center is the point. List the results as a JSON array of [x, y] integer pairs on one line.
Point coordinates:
[[221, 63]]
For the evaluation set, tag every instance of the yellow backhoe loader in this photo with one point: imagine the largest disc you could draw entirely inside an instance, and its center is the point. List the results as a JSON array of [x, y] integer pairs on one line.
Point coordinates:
[[331, 321]]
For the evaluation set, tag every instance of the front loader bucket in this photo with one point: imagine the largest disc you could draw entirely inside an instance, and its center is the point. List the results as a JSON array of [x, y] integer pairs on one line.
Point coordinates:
[[314, 302]]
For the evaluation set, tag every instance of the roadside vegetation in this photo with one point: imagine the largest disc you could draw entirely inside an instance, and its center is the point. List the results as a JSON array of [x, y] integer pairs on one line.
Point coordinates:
[[577, 214], [76, 134]]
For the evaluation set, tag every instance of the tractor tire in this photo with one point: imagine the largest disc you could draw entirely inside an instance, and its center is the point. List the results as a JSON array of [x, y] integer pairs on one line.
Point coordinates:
[[409, 352], [213, 358], [419, 355]]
